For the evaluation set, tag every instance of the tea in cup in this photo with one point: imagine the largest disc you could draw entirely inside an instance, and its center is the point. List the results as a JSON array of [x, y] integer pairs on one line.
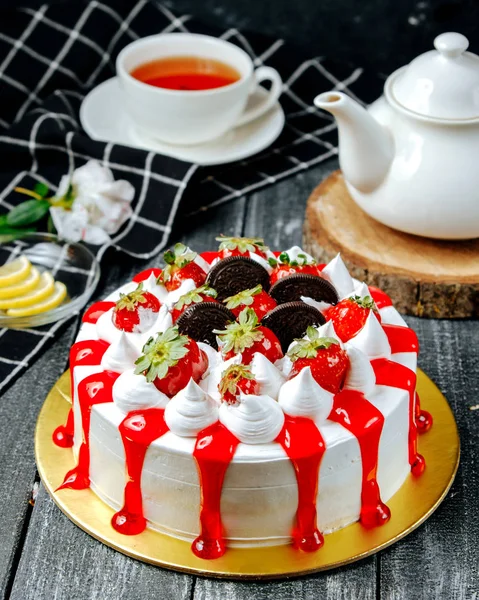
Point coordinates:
[[184, 88]]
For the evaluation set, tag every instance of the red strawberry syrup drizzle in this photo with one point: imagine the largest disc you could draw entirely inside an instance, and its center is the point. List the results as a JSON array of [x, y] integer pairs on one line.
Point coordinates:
[[305, 447], [138, 430], [214, 450], [94, 389], [365, 422], [402, 339], [87, 352], [96, 311]]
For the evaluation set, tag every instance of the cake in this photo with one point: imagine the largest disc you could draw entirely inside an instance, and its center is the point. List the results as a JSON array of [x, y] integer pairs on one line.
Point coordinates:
[[243, 398]]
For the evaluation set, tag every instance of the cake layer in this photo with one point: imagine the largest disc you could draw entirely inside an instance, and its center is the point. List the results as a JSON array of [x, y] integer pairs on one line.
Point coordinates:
[[259, 497]]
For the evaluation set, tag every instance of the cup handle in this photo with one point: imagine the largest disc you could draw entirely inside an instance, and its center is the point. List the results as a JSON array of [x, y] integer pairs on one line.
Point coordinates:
[[263, 74]]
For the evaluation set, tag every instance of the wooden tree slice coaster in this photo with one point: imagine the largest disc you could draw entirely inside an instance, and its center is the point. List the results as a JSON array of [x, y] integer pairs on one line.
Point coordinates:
[[425, 278]]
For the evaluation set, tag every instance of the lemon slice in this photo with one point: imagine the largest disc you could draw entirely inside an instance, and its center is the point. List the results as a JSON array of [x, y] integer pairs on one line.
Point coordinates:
[[22, 287], [52, 301], [15, 271], [44, 288]]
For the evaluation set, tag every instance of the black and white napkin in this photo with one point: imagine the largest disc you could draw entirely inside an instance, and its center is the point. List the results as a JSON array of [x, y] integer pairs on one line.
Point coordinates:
[[51, 57]]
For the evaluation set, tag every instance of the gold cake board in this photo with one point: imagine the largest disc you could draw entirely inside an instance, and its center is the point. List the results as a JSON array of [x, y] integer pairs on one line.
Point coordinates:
[[410, 506]]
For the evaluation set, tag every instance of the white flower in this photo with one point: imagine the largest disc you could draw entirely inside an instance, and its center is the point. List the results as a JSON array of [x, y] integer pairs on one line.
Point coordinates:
[[100, 207]]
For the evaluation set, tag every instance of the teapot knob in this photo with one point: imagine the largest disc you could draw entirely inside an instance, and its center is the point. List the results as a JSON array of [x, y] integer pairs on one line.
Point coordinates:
[[451, 45]]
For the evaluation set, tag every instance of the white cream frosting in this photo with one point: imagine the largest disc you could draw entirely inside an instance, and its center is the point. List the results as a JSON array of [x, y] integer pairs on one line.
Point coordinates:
[[390, 316], [133, 392], [362, 291], [202, 263], [262, 261], [294, 253], [188, 285], [105, 328], [214, 358], [360, 375], [339, 276], [158, 290], [147, 318], [285, 364], [120, 355], [254, 420], [162, 322], [327, 330], [190, 411], [371, 339], [268, 376], [107, 331], [321, 305], [302, 396]]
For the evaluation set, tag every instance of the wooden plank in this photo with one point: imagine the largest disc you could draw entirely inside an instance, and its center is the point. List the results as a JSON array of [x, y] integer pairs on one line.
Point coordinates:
[[277, 215], [441, 559], [19, 407], [59, 560]]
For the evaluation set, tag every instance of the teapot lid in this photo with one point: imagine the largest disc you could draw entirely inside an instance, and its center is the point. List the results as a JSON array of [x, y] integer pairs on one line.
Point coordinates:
[[441, 83]]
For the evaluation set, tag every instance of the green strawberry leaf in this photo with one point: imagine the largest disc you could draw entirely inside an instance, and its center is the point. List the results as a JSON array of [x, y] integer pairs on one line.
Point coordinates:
[[245, 297], [243, 244], [241, 334], [162, 353], [309, 348]]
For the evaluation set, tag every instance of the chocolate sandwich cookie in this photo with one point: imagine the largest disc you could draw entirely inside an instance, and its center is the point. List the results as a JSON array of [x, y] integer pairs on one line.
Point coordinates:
[[235, 274], [290, 321], [292, 287], [199, 320]]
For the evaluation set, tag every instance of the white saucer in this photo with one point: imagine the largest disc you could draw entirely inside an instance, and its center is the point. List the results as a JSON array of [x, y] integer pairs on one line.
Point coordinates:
[[103, 118]]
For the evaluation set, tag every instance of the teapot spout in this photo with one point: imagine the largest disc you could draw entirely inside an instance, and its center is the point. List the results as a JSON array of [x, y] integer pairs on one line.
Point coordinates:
[[365, 147]]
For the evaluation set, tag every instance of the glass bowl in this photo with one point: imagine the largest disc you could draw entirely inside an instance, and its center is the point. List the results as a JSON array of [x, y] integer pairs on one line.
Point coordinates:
[[69, 262]]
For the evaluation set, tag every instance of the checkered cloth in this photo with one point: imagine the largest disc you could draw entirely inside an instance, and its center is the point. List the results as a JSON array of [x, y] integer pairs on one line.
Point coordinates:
[[52, 57]]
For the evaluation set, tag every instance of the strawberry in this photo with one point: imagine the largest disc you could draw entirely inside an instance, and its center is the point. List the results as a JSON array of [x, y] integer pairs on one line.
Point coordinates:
[[246, 336], [255, 298], [143, 275], [241, 246], [349, 315], [325, 357], [136, 311], [170, 361], [237, 379], [284, 266], [180, 266], [203, 293]]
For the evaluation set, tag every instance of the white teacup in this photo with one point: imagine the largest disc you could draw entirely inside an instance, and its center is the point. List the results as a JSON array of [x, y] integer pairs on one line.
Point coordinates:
[[192, 117]]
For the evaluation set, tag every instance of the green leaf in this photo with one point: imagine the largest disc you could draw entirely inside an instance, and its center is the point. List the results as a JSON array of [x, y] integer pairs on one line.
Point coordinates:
[[41, 189], [8, 234], [27, 212], [50, 225], [3, 220]]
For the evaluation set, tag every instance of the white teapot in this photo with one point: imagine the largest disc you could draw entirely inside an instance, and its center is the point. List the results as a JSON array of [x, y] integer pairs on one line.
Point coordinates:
[[411, 160]]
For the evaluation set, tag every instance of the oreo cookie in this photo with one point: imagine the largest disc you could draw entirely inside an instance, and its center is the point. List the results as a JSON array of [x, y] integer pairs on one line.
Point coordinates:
[[292, 287], [291, 320], [235, 274], [199, 320]]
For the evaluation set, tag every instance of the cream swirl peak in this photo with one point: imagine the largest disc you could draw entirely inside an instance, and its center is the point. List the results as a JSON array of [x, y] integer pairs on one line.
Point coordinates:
[[190, 411], [254, 420], [339, 276], [269, 377], [371, 339], [121, 355], [302, 396], [133, 392], [360, 375]]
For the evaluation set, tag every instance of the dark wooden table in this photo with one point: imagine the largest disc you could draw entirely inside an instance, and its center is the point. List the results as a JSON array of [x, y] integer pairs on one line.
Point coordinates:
[[44, 556]]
